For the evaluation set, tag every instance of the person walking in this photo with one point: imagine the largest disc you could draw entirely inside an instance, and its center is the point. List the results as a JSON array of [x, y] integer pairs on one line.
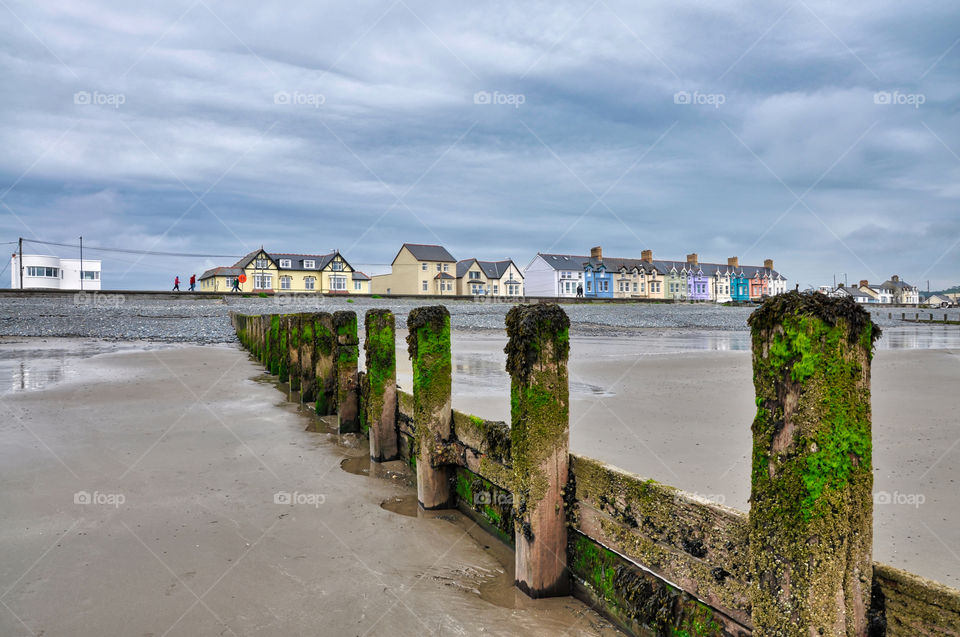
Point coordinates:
[[193, 282], [236, 285], [176, 284], [579, 290]]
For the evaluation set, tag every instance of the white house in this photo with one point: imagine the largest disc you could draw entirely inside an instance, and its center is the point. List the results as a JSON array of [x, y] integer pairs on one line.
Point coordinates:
[[554, 275], [53, 273]]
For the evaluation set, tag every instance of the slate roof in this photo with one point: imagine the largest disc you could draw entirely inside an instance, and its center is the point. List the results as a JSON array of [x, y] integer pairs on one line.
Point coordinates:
[[296, 259], [564, 261], [444, 275], [221, 271], [360, 276], [896, 285], [612, 264], [463, 266], [427, 252]]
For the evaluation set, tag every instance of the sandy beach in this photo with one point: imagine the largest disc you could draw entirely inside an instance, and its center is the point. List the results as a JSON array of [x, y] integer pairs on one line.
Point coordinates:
[[182, 451], [146, 492]]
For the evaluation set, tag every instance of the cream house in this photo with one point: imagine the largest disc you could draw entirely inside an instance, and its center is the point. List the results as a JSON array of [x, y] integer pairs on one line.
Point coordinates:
[[419, 269], [494, 278], [261, 271]]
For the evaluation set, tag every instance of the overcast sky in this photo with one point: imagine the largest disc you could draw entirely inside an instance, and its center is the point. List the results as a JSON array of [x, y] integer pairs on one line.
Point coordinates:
[[823, 135]]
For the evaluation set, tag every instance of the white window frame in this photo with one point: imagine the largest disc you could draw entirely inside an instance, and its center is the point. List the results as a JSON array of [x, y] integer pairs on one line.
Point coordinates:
[[338, 283], [310, 283], [286, 282], [309, 264], [262, 264], [263, 281], [336, 266], [424, 266], [426, 286], [286, 263]]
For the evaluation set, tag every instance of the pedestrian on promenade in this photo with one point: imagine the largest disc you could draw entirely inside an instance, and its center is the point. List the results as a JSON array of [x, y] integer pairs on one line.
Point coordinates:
[[236, 285], [579, 290], [176, 284], [193, 282]]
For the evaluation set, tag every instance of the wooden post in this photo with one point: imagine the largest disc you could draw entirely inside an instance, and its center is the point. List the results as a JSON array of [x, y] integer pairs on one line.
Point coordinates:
[[325, 372], [428, 342], [307, 359], [380, 406], [537, 353], [345, 359], [811, 513], [292, 324]]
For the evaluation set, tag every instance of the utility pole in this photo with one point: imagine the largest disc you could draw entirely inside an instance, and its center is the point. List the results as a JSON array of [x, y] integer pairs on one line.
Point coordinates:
[[81, 263], [21, 263]]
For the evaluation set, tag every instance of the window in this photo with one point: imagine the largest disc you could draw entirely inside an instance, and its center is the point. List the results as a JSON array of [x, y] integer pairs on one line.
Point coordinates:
[[446, 267], [337, 266], [310, 283], [285, 282], [262, 264], [262, 281], [474, 275], [439, 269], [285, 263], [309, 264], [338, 283], [424, 268], [90, 275], [425, 288], [358, 285], [588, 286], [36, 270], [496, 289], [643, 287]]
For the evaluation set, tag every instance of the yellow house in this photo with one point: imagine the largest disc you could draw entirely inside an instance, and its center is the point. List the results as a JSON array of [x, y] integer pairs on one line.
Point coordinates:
[[419, 269], [496, 278], [284, 272]]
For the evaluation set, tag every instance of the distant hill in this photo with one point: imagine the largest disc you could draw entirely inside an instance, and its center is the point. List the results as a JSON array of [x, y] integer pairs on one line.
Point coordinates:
[[953, 290]]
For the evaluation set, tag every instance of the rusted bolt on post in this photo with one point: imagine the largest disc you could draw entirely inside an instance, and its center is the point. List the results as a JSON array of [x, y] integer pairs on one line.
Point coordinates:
[[811, 513], [381, 384], [428, 343], [537, 353], [345, 360]]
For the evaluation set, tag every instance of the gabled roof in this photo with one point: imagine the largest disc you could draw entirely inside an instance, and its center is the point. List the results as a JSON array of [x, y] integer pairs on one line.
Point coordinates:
[[495, 269], [564, 261], [463, 266], [427, 252], [221, 271], [444, 275], [296, 260], [245, 261], [896, 285]]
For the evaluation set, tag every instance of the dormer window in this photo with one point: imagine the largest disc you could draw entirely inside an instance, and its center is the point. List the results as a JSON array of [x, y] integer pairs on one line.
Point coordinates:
[[309, 264], [285, 263], [336, 266]]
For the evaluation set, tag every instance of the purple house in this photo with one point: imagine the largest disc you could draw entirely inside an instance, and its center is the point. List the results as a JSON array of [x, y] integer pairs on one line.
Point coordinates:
[[698, 283]]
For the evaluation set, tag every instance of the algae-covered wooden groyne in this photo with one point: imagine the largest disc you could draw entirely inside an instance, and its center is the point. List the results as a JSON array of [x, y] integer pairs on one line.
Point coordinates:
[[655, 559]]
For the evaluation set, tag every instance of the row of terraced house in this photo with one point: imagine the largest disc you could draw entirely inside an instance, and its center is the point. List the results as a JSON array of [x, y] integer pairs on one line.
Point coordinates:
[[427, 269], [566, 275]]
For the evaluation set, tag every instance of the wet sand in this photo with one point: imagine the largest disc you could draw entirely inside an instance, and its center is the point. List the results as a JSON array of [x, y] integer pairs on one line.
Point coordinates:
[[188, 455], [683, 418]]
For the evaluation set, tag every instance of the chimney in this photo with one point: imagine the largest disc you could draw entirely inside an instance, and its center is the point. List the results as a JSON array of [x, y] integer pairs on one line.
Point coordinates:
[[596, 253], [647, 255], [733, 262], [895, 278], [864, 283], [768, 264], [693, 259]]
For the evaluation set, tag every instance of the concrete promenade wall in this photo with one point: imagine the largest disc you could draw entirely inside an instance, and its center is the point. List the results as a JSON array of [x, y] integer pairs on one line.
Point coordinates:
[[654, 559]]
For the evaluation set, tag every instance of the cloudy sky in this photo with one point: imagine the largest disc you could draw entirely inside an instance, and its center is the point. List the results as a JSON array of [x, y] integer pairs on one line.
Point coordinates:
[[819, 134]]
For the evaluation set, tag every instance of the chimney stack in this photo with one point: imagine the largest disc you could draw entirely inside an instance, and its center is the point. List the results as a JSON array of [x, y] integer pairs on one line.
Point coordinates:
[[733, 262], [596, 253], [864, 283], [647, 255], [895, 278], [693, 259], [768, 264]]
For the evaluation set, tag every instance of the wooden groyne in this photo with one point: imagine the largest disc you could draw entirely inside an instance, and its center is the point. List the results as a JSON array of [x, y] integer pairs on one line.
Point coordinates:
[[653, 558]]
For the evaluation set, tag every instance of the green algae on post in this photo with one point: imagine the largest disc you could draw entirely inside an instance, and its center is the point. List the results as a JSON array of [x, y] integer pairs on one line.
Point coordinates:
[[537, 351], [380, 406], [345, 360], [811, 509], [428, 343]]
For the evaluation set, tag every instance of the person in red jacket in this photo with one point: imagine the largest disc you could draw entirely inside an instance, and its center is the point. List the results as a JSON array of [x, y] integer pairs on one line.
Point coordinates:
[[176, 284], [193, 282]]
